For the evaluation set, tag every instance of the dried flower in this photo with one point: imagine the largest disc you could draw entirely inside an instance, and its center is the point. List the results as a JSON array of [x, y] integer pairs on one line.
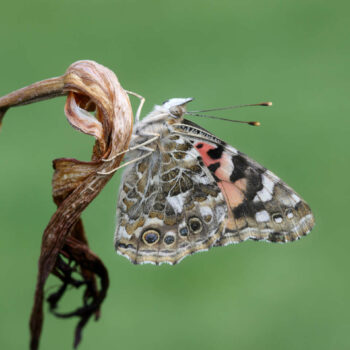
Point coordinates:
[[90, 87]]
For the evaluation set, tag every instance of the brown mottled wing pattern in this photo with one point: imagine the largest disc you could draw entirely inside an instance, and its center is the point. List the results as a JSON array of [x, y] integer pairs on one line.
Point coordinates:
[[169, 206], [260, 205]]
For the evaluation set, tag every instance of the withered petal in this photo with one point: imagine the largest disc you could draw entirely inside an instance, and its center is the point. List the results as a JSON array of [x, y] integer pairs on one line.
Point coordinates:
[[81, 119]]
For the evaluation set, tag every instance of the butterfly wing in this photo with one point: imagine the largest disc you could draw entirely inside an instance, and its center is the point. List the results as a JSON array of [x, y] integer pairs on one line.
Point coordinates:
[[169, 206], [260, 205]]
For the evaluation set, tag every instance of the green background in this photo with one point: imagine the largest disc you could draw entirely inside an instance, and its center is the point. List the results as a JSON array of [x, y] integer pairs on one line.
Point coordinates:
[[248, 296]]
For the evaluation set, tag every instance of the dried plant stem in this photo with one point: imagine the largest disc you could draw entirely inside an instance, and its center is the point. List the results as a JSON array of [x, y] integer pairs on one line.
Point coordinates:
[[38, 91]]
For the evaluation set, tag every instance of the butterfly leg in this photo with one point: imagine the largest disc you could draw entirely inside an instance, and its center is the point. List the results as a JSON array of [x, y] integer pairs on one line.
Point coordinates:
[[142, 101], [125, 164], [153, 138]]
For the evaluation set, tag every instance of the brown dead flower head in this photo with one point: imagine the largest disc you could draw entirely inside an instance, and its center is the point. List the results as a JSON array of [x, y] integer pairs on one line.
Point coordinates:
[[96, 105]]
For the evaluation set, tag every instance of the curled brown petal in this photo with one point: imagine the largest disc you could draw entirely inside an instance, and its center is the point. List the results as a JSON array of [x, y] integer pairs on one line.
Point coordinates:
[[82, 120], [100, 87]]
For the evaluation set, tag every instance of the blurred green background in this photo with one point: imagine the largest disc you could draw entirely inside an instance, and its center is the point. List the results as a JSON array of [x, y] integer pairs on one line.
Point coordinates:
[[248, 296]]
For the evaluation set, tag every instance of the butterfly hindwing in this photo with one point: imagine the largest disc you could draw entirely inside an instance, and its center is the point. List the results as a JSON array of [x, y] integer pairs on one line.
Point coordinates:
[[260, 205], [169, 206]]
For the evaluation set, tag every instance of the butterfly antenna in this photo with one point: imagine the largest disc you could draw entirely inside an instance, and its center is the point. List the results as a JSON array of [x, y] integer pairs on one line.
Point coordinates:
[[268, 104], [220, 118]]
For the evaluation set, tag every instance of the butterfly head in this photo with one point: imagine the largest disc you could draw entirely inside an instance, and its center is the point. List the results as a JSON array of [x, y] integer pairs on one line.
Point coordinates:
[[169, 112], [175, 107]]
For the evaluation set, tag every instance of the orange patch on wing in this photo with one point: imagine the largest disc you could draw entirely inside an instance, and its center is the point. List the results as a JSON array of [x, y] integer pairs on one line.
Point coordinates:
[[233, 195], [241, 184], [203, 151], [225, 170]]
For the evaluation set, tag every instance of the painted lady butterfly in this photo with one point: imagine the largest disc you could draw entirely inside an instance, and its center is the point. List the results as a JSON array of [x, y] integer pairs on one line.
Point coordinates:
[[186, 191]]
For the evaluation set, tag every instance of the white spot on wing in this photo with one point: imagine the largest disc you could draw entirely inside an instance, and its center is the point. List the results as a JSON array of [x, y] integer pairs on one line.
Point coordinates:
[[262, 195], [205, 180], [262, 216], [290, 215], [177, 203], [296, 198], [265, 194], [122, 233], [267, 183], [205, 211], [278, 219]]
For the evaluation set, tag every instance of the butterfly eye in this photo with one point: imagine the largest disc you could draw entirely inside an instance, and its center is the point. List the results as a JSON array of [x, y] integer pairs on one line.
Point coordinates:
[[177, 111], [150, 237], [195, 225]]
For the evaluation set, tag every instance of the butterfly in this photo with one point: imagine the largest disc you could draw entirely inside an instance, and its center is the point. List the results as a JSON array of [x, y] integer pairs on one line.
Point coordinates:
[[184, 191]]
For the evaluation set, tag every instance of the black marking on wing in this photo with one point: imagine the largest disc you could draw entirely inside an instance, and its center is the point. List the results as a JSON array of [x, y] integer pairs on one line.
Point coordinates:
[[240, 165], [247, 209], [216, 153], [212, 168], [254, 182]]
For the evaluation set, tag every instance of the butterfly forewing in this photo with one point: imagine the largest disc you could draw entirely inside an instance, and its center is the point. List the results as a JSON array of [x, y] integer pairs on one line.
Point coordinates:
[[260, 205]]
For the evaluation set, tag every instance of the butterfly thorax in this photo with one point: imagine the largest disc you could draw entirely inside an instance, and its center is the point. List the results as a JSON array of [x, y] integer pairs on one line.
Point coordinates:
[[159, 122]]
